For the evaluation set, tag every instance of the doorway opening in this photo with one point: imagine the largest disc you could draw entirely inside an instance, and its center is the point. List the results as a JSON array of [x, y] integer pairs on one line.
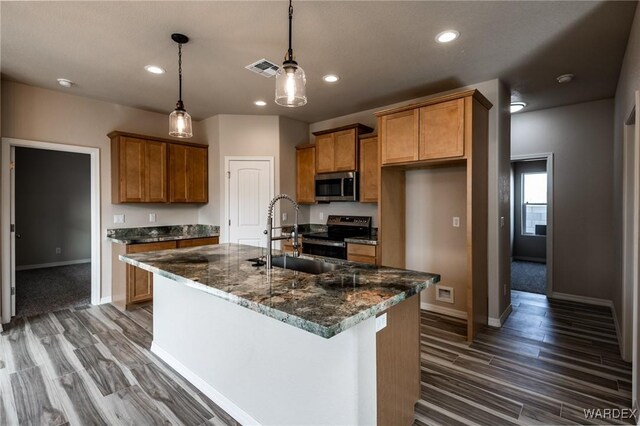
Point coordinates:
[[51, 204], [531, 216], [52, 230]]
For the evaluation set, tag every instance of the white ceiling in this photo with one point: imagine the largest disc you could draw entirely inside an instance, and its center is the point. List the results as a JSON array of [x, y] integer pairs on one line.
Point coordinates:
[[384, 52]]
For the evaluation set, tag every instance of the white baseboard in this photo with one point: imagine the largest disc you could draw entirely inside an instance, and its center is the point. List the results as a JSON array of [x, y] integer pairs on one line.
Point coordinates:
[[443, 310], [52, 264], [581, 299], [497, 322], [227, 405], [105, 300]]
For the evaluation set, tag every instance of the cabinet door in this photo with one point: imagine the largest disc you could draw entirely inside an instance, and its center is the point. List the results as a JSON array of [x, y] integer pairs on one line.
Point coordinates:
[[324, 153], [132, 170], [344, 151], [399, 136], [155, 172], [305, 175], [197, 175], [178, 183], [369, 169], [442, 130], [139, 281]]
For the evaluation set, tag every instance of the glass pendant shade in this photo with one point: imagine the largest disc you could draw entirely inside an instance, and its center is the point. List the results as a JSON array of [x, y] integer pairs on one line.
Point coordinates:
[[290, 87], [180, 124]]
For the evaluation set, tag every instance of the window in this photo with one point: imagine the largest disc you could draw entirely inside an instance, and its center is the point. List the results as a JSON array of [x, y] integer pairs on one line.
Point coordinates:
[[534, 203]]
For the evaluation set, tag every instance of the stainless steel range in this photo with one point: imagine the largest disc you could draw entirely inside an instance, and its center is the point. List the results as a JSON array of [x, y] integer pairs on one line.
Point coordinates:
[[331, 243]]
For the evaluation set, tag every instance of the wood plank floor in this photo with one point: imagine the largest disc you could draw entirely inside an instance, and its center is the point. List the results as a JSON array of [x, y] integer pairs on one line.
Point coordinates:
[[91, 365], [550, 361]]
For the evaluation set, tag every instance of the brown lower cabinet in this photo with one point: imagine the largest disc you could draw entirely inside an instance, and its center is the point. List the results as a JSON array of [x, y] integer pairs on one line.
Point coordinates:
[[132, 285], [363, 253]]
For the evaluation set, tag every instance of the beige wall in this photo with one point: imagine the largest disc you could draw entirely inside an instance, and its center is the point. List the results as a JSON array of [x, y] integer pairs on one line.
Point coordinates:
[[251, 135], [499, 196], [579, 136], [433, 244], [51, 116], [292, 133], [628, 84]]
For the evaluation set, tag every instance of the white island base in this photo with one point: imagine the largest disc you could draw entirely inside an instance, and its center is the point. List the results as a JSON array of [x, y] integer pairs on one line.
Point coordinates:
[[263, 371]]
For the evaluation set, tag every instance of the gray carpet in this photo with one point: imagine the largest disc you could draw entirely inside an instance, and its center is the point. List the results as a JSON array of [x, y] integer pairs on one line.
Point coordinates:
[[529, 276], [51, 289]]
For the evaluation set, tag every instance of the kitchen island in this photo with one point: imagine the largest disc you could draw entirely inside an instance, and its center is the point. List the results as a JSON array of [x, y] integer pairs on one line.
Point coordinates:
[[287, 347]]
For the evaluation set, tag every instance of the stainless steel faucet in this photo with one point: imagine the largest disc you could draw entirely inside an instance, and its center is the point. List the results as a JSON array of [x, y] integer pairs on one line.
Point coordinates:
[[269, 231]]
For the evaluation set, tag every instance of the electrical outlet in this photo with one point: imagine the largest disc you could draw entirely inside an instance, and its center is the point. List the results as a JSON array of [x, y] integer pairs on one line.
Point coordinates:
[[381, 322], [501, 221], [118, 218], [321, 215], [456, 222], [152, 217], [284, 217], [58, 250]]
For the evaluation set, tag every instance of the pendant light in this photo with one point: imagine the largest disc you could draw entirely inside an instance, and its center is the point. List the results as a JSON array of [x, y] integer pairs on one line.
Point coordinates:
[[290, 78], [179, 119]]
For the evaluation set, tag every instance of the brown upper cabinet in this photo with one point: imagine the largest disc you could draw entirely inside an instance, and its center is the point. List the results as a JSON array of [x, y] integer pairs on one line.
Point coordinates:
[[442, 130], [146, 169], [188, 181], [337, 149], [369, 166], [432, 130], [305, 174]]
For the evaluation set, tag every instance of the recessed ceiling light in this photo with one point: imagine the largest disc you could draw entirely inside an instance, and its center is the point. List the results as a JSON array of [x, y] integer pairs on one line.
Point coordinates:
[[65, 82], [154, 69], [565, 78], [331, 78], [516, 106], [260, 103], [447, 36]]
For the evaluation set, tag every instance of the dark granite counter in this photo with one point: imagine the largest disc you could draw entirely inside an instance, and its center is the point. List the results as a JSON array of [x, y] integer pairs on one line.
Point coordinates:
[[369, 240], [323, 304], [152, 234]]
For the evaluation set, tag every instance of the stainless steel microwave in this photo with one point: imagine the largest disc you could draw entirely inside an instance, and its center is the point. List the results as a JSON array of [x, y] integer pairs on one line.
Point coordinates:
[[337, 187]]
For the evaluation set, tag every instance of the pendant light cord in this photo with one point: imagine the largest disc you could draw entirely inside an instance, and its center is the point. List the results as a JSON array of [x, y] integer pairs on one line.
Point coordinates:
[[180, 71], [290, 52]]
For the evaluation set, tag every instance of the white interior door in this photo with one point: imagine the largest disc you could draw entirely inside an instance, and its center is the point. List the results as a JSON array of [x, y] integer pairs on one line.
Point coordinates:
[[12, 236], [250, 190]]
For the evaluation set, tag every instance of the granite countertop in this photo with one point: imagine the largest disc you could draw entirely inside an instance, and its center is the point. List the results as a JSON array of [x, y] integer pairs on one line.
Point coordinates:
[[152, 234], [369, 240], [323, 304]]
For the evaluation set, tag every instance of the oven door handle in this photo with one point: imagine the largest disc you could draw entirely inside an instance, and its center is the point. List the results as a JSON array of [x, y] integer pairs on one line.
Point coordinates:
[[323, 242]]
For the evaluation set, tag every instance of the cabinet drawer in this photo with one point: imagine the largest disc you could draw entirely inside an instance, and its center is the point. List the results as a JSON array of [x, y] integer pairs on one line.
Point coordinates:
[[141, 248], [361, 259], [196, 242], [361, 250]]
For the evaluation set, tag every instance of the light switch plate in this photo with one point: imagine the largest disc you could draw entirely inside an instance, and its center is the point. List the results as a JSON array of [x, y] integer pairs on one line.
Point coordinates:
[[152, 217], [118, 218], [284, 216], [321, 215], [381, 322], [456, 222]]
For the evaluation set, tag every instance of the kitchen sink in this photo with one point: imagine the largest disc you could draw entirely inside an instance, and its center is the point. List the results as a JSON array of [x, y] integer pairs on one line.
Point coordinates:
[[300, 264]]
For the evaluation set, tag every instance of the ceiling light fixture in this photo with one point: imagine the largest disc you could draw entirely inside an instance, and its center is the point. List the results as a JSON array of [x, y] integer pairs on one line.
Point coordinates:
[[154, 69], [447, 36], [565, 78], [516, 106], [290, 78], [331, 78], [260, 103], [179, 119], [65, 83]]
